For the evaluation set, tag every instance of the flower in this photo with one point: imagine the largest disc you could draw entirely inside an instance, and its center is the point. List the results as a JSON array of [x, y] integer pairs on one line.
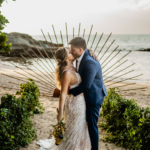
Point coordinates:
[[59, 129]]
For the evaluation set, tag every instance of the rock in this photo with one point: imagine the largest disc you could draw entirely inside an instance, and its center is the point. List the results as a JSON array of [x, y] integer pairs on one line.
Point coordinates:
[[24, 40], [145, 50]]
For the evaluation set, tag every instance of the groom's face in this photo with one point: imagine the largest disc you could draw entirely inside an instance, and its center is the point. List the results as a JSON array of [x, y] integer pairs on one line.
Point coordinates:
[[76, 52]]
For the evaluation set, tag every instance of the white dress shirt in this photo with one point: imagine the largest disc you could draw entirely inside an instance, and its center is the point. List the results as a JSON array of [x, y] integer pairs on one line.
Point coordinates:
[[79, 60]]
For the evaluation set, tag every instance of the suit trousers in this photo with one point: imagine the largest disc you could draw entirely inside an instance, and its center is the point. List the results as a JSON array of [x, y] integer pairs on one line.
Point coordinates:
[[92, 114]]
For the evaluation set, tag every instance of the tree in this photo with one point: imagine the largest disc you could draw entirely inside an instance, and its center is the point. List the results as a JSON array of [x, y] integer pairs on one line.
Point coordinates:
[[3, 38]]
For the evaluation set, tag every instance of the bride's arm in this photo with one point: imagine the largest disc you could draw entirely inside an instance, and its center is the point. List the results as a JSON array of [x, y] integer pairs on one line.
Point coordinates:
[[65, 81]]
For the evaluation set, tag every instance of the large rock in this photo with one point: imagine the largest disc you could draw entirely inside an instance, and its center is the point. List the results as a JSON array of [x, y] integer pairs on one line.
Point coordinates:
[[145, 50], [25, 40]]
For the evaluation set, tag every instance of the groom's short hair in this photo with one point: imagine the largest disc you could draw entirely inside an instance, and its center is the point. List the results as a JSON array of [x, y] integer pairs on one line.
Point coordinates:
[[79, 42]]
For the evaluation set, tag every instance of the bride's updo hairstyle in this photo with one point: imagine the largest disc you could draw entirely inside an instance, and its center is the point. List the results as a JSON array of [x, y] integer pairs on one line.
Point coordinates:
[[61, 56]]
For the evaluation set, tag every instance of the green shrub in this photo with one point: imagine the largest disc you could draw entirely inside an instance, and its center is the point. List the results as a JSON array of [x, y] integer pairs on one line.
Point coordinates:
[[29, 94], [3, 38], [126, 124], [15, 125], [3, 21], [3, 46]]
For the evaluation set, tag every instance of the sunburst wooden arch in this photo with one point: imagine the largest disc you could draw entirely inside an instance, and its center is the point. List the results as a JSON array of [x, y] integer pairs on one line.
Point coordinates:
[[43, 72]]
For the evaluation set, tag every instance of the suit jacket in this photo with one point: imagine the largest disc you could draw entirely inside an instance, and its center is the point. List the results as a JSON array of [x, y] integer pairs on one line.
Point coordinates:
[[92, 84]]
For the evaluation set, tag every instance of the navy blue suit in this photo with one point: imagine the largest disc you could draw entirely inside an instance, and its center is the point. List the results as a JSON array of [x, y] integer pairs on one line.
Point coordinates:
[[94, 90]]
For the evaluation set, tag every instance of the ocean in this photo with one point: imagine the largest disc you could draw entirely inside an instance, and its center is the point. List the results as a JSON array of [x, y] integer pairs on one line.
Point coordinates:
[[126, 43], [120, 64]]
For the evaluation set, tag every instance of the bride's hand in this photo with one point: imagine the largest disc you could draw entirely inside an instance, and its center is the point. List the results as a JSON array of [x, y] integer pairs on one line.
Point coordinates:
[[59, 117], [92, 54]]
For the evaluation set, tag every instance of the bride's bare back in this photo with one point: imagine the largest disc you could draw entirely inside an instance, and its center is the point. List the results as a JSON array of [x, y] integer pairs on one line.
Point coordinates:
[[70, 72]]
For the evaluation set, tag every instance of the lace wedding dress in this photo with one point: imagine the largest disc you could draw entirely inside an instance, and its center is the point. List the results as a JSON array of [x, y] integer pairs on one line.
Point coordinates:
[[76, 134]]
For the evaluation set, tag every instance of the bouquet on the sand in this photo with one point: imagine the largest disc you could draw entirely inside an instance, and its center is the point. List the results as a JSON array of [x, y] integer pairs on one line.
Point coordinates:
[[58, 131]]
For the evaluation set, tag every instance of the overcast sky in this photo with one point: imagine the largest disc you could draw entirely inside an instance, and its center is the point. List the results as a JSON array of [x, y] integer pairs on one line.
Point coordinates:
[[116, 16]]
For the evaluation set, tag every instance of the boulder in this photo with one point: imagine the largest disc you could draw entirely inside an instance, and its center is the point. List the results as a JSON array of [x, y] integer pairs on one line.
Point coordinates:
[[25, 40], [145, 50]]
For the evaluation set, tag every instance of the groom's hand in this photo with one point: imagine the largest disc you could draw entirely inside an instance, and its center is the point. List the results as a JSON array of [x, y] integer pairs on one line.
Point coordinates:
[[68, 90], [92, 54]]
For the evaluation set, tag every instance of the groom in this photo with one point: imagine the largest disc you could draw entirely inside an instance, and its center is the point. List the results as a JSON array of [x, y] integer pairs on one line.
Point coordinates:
[[92, 86]]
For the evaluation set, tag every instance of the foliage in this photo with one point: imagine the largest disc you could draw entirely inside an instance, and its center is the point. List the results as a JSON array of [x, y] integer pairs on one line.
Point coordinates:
[[1, 1], [59, 129], [58, 132], [3, 21], [15, 125], [30, 93], [3, 46], [126, 124]]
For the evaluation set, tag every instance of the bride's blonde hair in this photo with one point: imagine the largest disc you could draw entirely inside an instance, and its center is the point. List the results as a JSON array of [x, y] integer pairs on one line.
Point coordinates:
[[61, 56]]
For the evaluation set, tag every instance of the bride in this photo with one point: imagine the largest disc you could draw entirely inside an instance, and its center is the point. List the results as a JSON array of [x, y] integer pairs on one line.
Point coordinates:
[[72, 108]]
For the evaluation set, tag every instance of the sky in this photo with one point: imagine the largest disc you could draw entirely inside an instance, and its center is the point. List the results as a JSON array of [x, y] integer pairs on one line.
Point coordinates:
[[116, 16]]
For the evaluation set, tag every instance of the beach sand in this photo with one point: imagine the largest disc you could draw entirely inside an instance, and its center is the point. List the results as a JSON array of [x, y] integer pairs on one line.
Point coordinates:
[[43, 122]]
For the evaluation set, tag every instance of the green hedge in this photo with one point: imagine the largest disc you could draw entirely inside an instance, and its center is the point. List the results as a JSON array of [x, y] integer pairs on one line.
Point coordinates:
[[15, 125], [3, 46], [126, 124], [3, 38]]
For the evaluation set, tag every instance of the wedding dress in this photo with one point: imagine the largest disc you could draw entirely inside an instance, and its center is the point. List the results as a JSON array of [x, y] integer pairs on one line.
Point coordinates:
[[76, 136]]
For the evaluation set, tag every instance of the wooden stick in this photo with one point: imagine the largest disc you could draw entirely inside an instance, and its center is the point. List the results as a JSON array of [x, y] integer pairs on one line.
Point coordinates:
[[73, 32], [55, 36], [34, 79], [125, 79], [98, 42], [93, 39], [120, 71], [20, 83], [18, 78], [110, 54], [83, 33], [52, 81], [104, 44], [89, 34], [132, 89], [107, 49], [52, 43], [124, 85], [42, 56], [119, 76], [48, 57], [29, 73], [32, 58], [116, 61], [36, 68], [61, 37], [48, 44], [79, 29], [66, 33], [39, 60], [115, 68]]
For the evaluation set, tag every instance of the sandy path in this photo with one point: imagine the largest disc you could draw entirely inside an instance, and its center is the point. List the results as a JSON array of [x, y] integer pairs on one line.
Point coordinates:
[[43, 122]]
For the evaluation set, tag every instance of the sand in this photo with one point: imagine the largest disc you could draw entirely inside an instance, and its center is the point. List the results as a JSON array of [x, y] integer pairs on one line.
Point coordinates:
[[43, 122]]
